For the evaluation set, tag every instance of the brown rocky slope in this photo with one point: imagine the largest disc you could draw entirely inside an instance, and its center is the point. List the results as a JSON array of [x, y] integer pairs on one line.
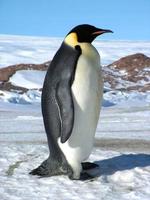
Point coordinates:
[[129, 73]]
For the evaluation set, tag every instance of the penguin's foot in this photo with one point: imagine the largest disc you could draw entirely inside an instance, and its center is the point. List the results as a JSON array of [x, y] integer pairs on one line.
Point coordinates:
[[50, 168], [89, 166], [42, 170], [84, 176]]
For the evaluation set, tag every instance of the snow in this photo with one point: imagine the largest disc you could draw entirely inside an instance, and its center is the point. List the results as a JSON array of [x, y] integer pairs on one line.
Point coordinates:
[[147, 69], [127, 99], [122, 137], [124, 170], [25, 49], [126, 123], [30, 79], [123, 72], [31, 96], [33, 80]]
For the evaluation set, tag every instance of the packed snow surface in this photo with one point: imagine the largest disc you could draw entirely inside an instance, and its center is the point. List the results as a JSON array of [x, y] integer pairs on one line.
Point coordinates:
[[124, 170]]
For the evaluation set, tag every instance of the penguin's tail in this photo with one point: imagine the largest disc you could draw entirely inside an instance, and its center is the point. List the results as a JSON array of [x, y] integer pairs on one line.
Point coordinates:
[[50, 168]]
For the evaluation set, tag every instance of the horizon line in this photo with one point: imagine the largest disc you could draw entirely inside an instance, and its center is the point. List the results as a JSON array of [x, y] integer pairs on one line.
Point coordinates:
[[62, 37]]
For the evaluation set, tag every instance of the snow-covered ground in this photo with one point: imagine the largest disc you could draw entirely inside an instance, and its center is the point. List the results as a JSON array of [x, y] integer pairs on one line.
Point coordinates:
[[122, 142], [121, 150]]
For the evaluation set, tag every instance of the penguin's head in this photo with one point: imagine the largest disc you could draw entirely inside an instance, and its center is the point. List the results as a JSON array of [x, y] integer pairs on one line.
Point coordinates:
[[85, 33]]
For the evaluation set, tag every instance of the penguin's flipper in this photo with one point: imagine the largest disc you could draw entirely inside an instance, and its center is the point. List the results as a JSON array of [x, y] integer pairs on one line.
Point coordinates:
[[66, 109]]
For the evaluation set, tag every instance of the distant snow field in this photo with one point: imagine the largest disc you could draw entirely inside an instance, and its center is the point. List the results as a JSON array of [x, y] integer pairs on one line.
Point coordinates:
[[122, 141], [24, 49], [30, 79]]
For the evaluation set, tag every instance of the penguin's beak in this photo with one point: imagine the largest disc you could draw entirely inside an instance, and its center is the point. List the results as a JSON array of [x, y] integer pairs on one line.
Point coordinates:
[[101, 31]]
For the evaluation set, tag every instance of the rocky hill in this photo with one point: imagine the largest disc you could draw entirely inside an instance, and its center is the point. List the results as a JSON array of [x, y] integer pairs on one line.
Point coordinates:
[[129, 73]]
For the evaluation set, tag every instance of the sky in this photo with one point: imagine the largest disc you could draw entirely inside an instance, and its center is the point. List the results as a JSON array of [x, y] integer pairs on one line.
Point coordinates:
[[129, 19]]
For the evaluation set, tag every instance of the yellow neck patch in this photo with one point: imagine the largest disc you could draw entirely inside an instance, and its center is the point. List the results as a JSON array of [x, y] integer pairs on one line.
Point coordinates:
[[71, 39]]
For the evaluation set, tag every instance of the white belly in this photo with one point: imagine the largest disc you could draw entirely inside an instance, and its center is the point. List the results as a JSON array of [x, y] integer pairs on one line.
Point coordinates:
[[87, 92]]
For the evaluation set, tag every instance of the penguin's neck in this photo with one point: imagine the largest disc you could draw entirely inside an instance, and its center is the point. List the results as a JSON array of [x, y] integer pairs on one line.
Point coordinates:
[[71, 40], [87, 48]]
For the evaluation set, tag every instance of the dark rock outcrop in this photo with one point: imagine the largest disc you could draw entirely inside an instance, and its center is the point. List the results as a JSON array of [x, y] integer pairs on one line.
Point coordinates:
[[132, 62]]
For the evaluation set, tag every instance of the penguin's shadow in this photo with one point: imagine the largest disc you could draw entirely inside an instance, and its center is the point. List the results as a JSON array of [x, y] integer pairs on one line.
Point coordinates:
[[121, 163]]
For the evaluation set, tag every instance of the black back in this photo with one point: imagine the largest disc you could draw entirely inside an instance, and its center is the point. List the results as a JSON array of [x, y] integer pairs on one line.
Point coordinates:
[[57, 101]]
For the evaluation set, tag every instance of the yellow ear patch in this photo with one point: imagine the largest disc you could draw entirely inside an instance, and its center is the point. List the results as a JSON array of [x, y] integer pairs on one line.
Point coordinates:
[[71, 39]]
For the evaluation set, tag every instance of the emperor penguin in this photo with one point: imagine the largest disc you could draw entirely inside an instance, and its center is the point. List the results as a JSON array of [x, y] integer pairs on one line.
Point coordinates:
[[71, 102]]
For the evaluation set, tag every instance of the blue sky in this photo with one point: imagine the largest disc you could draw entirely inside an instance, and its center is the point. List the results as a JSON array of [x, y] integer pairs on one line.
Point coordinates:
[[129, 19]]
